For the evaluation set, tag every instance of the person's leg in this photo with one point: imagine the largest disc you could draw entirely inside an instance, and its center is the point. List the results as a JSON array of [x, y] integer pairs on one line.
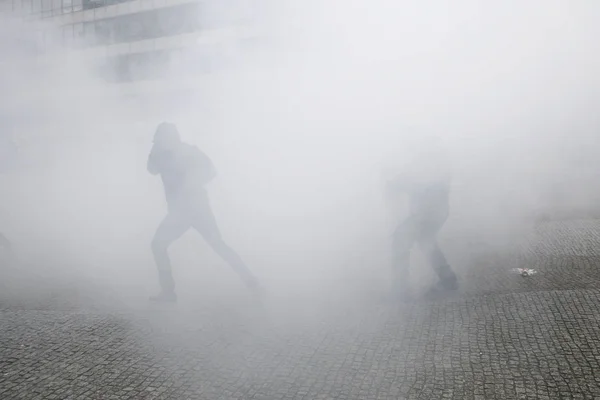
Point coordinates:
[[205, 223], [429, 245], [403, 241], [169, 230], [440, 265]]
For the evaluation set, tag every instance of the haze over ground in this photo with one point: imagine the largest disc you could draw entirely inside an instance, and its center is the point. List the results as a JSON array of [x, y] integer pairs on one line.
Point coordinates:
[[300, 130]]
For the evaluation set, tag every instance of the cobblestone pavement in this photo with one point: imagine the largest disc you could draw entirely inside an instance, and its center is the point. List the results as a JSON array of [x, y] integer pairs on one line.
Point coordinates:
[[504, 337]]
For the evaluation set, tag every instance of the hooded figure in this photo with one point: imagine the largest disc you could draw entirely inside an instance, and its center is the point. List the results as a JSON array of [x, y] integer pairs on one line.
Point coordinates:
[[185, 170], [426, 183]]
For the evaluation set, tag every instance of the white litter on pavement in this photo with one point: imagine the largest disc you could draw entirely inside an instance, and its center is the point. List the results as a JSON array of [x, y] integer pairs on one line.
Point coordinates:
[[525, 272]]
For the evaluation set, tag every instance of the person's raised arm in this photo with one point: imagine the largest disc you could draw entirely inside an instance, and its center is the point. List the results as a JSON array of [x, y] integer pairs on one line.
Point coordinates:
[[152, 164]]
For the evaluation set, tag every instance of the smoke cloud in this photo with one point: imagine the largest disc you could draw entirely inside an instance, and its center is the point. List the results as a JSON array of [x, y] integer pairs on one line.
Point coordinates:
[[302, 118]]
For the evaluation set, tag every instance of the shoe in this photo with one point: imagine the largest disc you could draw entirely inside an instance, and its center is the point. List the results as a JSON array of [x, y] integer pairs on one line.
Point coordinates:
[[450, 284], [164, 297], [442, 288]]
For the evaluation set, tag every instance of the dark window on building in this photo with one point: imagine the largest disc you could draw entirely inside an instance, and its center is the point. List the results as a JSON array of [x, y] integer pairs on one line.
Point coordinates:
[[67, 6], [27, 7], [148, 25], [137, 67], [90, 4], [46, 8], [130, 29], [174, 20], [78, 35], [89, 33], [36, 7], [68, 36], [56, 7], [104, 30]]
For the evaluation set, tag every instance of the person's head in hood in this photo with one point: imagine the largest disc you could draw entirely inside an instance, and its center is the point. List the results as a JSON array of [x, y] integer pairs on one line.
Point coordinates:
[[166, 136]]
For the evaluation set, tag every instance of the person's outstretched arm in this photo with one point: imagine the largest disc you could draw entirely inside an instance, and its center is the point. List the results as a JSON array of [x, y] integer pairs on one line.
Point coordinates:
[[152, 165]]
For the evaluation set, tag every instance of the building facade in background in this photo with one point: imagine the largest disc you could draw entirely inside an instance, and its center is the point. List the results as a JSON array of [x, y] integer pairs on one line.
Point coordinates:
[[140, 40], [96, 68]]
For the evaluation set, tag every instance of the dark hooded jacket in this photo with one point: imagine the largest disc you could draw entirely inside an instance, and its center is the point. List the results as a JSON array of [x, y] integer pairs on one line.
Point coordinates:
[[184, 170]]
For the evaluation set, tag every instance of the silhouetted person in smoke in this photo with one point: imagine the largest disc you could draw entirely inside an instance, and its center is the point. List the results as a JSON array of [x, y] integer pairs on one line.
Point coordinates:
[[185, 170], [428, 198]]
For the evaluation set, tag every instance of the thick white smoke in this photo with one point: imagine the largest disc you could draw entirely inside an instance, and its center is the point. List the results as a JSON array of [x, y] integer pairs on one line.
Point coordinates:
[[301, 128]]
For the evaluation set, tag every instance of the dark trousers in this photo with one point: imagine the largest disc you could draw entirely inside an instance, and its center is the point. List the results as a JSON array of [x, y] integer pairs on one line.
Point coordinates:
[[201, 218], [423, 232]]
